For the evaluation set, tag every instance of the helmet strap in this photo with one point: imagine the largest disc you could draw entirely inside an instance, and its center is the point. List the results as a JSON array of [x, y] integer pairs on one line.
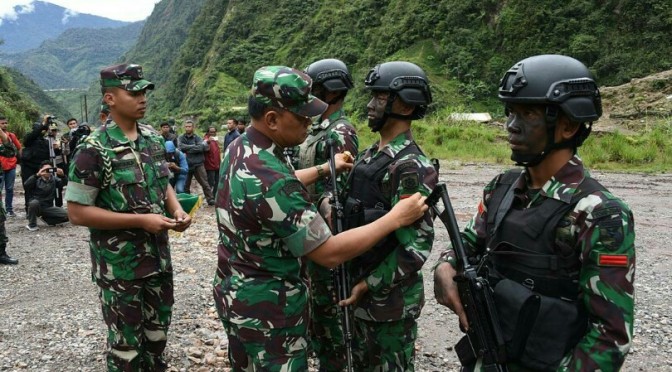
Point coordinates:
[[336, 99]]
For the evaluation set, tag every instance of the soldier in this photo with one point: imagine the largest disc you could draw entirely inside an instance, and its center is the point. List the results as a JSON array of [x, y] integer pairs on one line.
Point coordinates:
[[388, 295], [331, 82], [268, 226], [119, 189], [555, 236], [7, 149]]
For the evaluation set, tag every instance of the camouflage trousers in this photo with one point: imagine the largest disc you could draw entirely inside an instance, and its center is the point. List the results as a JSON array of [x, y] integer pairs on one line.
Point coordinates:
[[326, 334], [268, 350], [384, 346], [137, 314]]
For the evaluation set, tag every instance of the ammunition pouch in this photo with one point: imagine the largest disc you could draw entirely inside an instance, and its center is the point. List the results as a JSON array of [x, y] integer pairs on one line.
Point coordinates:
[[356, 215], [538, 330]]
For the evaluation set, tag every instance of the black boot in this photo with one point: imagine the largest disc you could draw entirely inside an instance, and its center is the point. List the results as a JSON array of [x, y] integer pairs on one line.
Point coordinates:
[[5, 259]]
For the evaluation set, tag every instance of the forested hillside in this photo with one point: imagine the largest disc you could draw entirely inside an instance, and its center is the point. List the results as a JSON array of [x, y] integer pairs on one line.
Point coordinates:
[[18, 108], [465, 46], [158, 45], [40, 21], [75, 58]]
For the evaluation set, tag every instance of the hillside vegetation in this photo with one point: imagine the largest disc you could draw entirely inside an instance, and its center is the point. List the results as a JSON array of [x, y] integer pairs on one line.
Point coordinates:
[[74, 59], [45, 21], [19, 109], [202, 53], [465, 46]]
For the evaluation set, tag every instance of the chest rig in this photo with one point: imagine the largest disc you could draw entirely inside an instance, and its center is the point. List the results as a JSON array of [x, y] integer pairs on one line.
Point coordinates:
[[534, 276], [369, 198]]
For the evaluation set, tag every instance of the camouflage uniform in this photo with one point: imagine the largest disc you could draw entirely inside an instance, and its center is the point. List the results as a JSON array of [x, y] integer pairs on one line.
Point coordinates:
[[385, 317], [600, 230], [7, 150], [132, 267], [266, 225], [325, 318]]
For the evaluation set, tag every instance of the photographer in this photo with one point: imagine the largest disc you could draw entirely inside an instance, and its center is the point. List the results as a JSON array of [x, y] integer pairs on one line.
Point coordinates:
[[42, 186], [76, 136], [36, 150]]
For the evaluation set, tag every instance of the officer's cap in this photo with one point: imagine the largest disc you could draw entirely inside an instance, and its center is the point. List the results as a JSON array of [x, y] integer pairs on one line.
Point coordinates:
[[286, 88]]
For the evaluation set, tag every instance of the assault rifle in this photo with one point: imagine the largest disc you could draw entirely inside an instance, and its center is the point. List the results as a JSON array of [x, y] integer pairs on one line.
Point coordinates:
[[483, 339], [340, 274]]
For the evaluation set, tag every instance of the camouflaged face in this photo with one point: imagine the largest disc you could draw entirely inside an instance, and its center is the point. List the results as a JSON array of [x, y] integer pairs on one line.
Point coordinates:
[[124, 76], [286, 88]]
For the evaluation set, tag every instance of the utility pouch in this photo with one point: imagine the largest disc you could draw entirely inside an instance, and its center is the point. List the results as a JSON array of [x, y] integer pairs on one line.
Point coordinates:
[[538, 330], [353, 212]]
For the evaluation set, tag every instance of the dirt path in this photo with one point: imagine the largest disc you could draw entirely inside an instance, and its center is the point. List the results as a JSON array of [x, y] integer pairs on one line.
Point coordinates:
[[50, 318]]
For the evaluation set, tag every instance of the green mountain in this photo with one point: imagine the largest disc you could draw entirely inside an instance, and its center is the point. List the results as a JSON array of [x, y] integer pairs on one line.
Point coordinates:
[[158, 45], [75, 58], [464, 45], [44, 101], [33, 23], [20, 109]]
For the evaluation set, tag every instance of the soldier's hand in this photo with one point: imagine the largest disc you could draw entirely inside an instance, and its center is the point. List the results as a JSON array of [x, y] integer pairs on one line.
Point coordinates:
[[343, 162], [445, 291], [156, 223], [355, 294], [182, 220], [409, 209]]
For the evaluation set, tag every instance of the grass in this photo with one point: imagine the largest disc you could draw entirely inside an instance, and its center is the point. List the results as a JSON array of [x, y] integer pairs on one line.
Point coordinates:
[[467, 142]]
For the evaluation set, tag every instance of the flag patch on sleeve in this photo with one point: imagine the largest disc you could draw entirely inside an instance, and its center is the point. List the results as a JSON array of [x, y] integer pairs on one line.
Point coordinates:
[[618, 260]]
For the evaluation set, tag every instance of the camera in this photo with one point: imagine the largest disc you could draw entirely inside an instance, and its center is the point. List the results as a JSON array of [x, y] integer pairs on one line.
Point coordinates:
[[81, 131], [50, 119]]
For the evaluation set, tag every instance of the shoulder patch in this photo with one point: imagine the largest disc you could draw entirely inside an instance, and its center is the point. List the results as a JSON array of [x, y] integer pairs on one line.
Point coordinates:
[[409, 181], [603, 212], [616, 260]]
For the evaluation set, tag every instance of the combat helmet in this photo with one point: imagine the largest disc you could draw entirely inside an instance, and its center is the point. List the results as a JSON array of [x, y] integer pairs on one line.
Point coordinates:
[[329, 75], [404, 80], [560, 83]]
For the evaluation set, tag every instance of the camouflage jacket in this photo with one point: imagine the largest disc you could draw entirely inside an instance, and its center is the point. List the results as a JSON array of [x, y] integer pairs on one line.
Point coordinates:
[[396, 284], [266, 225], [345, 137], [110, 172], [601, 225]]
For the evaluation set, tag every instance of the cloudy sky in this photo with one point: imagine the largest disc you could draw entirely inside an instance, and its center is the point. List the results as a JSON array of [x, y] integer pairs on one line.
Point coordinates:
[[123, 10]]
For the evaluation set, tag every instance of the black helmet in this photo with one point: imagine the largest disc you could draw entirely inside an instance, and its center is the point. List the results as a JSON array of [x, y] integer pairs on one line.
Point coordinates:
[[555, 80], [560, 83], [404, 80], [330, 73]]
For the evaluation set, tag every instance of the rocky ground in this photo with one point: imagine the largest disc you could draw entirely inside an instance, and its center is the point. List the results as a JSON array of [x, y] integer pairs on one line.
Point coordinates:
[[50, 318]]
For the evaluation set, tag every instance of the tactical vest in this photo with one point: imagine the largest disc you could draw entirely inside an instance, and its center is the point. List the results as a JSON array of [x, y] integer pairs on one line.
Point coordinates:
[[369, 198], [308, 150], [535, 280]]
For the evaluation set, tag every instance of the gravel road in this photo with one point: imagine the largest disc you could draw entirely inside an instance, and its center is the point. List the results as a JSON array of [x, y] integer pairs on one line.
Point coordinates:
[[50, 317]]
